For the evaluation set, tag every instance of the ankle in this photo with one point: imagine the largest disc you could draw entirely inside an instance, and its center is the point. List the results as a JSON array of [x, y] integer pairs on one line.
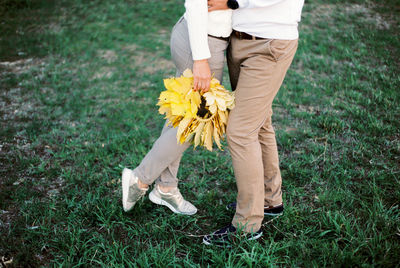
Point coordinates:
[[165, 189], [142, 185]]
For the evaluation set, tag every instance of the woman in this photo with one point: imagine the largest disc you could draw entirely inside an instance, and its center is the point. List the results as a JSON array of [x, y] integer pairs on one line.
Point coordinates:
[[198, 42]]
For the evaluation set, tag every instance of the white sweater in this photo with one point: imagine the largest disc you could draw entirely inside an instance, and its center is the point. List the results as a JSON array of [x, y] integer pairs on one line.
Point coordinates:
[[275, 19], [201, 23]]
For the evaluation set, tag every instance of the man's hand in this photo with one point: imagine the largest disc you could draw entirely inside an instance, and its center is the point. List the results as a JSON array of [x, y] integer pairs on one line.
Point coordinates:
[[217, 5], [201, 75]]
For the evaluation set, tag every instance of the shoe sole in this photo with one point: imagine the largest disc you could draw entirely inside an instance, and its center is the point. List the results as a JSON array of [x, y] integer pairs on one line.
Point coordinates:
[[156, 200], [228, 245], [256, 236], [205, 242], [125, 188], [273, 214]]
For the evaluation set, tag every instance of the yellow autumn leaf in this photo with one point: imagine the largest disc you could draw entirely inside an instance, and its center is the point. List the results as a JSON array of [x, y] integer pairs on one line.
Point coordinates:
[[168, 97], [213, 108], [166, 109], [214, 83], [176, 120], [188, 134], [208, 136], [198, 131], [177, 109], [216, 137], [223, 118], [187, 73], [182, 125], [175, 85], [185, 84], [194, 98]]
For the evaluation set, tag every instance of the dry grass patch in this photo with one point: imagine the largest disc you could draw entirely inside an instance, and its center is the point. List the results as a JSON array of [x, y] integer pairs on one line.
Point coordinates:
[[21, 66], [325, 13], [368, 15], [150, 64], [109, 55], [104, 72]]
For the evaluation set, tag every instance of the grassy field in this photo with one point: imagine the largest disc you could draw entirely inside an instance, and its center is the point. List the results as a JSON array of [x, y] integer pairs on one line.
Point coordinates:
[[79, 81]]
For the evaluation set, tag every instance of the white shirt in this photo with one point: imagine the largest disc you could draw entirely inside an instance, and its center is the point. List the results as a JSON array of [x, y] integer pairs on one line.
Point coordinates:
[[202, 23], [275, 19]]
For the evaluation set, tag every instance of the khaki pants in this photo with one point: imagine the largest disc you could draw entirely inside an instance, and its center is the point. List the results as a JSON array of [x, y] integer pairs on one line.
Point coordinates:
[[257, 69], [161, 163]]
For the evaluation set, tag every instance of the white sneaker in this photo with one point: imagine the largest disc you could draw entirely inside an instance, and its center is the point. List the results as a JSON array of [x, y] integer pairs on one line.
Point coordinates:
[[173, 200], [131, 193]]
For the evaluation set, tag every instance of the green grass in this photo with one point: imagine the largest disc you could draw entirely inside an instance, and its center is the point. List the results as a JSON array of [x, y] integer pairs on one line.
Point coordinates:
[[79, 83]]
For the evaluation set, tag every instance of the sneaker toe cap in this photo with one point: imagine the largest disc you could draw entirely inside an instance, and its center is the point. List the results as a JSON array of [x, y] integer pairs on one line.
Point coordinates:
[[188, 208], [128, 206]]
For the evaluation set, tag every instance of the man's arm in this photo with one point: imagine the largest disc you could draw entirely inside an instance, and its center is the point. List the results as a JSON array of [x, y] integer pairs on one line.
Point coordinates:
[[222, 4]]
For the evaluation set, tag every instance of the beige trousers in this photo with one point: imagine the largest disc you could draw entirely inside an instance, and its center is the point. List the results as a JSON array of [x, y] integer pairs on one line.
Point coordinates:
[[257, 69], [161, 163]]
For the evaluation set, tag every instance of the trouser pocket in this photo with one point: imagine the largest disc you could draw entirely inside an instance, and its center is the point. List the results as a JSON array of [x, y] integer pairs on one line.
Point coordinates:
[[282, 49]]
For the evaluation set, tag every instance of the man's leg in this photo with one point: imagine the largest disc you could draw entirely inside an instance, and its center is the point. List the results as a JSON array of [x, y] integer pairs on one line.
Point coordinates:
[[263, 65], [272, 174]]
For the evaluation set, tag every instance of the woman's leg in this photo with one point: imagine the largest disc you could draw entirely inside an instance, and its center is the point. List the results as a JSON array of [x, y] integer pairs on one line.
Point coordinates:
[[179, 43], [162, 161], [182, 57]]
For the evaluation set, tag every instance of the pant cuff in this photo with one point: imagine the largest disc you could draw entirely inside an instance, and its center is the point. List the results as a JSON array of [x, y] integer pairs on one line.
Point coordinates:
[[142, 178], [246, 227], [167, 184], [273, 203]]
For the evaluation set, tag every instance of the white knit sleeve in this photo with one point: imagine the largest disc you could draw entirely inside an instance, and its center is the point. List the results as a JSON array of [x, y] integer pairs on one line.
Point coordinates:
[[196, 17]]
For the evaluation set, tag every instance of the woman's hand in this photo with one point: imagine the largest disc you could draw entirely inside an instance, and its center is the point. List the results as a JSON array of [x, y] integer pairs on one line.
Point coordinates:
[[201, 75]]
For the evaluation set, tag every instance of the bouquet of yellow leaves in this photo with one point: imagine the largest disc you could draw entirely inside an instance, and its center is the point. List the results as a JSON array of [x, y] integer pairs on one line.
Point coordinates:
[[200, 117]]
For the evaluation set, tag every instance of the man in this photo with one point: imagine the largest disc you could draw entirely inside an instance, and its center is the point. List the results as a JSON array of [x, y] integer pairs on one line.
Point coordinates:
[[262, 47]]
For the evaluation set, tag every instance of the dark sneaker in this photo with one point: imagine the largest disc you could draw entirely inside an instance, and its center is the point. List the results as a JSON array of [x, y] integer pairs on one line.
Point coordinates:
[[268, 211], [225, 236]]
